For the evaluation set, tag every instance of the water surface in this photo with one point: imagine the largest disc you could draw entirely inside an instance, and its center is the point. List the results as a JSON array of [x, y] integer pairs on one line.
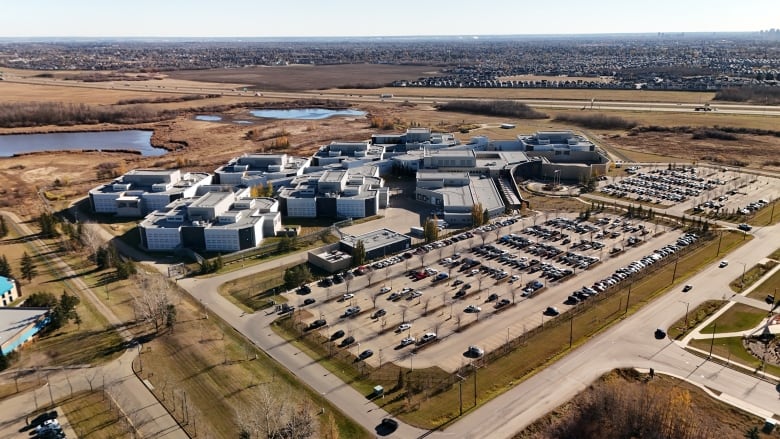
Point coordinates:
[[137, 140], [305, 113]]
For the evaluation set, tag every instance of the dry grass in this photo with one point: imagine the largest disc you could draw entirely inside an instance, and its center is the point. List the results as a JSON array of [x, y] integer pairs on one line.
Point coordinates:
[[550, 94], [431, 408], [721, 419], [93, 416]]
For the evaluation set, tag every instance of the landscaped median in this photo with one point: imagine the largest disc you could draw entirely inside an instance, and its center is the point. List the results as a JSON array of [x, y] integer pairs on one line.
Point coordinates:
[[430, 398]]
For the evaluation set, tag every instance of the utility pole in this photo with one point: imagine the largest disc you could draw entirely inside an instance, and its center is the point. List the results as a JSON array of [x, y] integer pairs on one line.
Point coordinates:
[[719, 241], [714, 327], [628, 299], [571, 330]]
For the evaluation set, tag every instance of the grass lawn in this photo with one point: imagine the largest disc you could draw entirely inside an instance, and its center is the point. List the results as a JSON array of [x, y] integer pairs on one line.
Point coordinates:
[[767, 287], [751, 276], [732, 349], [251, 292], [695, 316], [766, 216], [739, 317], [430, 398], [92, 415]]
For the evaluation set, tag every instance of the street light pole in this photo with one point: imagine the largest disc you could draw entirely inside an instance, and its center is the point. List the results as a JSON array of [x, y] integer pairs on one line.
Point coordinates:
[[687, 304], [714, 328]]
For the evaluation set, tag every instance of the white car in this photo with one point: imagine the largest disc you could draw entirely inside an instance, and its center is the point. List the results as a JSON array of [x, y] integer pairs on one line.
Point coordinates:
[[472, 309], [404, 327], [407, 341], [347, 296], [428, 336], [384, 290]]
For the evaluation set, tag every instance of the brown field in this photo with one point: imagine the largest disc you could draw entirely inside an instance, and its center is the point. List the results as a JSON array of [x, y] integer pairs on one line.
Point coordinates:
[[211, 144], [307, 77]]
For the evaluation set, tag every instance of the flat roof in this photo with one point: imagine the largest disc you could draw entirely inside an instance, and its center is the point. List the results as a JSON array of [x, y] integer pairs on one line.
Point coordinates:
[[375, 239], [332, 176], [210, 199], [14, 320], [485, 192], [456, 195]]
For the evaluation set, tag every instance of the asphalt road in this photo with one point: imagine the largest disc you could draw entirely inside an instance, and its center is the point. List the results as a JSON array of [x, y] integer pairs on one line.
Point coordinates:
[[149, 417], [627, 344], [720, 108]]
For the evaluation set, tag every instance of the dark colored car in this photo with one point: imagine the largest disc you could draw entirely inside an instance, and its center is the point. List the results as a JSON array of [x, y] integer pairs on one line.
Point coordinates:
[[347, 341], [492, 297], [309, 301], [378, 313], [326, 282], [660, 333], [319, 323], [304, 289], [337, 335], [389, 425], [365, 354], [687, 288]]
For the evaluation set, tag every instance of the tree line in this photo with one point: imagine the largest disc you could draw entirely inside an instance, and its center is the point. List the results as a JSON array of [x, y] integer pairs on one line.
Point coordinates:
[[493, 108], [596, 121], [26, 114]]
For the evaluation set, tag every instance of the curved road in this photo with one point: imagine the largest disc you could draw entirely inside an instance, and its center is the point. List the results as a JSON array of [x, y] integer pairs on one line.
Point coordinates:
[[627, 344]]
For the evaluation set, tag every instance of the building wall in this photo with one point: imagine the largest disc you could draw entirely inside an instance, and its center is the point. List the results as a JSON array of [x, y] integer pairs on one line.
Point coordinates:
[[162, 238], [9, 292], [104, 203], [302, 207], [351, 207], [221, 239]]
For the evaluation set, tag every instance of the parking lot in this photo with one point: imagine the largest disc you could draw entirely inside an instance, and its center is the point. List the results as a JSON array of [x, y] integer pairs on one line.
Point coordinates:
[[476, 289], [683, 188]]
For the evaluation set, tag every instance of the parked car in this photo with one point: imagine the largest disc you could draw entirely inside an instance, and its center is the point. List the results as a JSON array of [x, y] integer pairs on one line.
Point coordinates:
[[404, 327], [304, 289], [384, 290], [378, 313], [365, 354], [309, 301], [406, 341], [347, 341], [745, 227], [475, 352], [317, 324], [492, 297], [347, 296], [337, 335], [472, 309], [427, 337], [551, 311]]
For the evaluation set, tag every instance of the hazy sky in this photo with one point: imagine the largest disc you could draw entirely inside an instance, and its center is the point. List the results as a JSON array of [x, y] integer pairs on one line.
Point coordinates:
[[280, 18]]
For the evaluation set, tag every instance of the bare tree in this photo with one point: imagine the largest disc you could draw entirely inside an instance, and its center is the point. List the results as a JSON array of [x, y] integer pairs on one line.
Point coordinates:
[[421, 255], [403, 313], [90, 238], [347, 282], [154, 304], [375, 297], [426, 302], [458, 318], [369, 275]]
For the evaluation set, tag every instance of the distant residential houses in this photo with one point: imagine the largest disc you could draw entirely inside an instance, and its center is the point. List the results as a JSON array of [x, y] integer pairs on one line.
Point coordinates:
[[221, 212]]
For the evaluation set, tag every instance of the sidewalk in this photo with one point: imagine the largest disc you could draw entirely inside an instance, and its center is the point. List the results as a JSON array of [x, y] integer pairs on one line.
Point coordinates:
[[145, 413]]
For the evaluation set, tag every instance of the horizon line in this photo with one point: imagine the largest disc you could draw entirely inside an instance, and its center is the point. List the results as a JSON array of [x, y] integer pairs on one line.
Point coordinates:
[[448, 36]]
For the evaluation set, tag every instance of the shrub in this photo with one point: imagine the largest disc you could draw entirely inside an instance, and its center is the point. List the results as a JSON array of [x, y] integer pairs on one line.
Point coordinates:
[[493, 108], [597, 121]]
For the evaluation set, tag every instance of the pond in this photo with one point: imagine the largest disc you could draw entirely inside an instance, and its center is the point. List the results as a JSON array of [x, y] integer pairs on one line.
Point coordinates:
[[305, 113], [208, 117], [137, 140]]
